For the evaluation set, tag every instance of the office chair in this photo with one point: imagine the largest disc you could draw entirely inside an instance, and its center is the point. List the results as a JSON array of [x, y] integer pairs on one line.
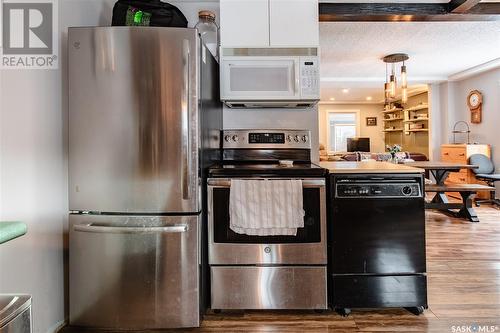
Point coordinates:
[[486, 173]]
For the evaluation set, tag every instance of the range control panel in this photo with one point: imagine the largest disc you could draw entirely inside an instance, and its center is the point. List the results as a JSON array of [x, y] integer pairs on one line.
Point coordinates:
[[254, 139], [266, 138], [383, 190]]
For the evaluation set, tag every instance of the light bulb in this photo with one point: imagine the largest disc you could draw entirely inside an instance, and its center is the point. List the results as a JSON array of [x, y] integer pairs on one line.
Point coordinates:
[[404, 95], [392, 86], [404, 79]]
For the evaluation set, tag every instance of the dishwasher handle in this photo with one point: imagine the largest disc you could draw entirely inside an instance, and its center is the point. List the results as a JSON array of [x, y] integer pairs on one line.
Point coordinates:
[[100, 229]]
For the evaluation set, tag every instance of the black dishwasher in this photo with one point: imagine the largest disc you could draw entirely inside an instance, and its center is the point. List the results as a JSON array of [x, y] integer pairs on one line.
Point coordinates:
[[377, 242]]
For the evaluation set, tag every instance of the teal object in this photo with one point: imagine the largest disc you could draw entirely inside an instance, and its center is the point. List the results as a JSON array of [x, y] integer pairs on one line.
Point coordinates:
[[11, 230]]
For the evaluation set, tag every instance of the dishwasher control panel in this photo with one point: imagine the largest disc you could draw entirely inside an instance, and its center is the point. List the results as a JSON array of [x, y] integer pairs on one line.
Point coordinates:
[[383, 190]]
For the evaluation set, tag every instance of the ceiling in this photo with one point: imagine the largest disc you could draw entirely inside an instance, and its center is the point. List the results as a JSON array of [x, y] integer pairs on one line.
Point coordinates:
[[351, 53], [358, 92]]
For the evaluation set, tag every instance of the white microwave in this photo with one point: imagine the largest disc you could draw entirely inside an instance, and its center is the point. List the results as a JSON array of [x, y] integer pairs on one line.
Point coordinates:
[[270, 81]]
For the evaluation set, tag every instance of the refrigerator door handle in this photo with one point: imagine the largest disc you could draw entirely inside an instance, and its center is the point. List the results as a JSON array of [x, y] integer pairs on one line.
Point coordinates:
[[100, 229], [186, 156]]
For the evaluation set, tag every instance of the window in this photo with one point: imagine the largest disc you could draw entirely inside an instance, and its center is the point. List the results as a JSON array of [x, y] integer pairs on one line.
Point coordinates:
[[341, 125]]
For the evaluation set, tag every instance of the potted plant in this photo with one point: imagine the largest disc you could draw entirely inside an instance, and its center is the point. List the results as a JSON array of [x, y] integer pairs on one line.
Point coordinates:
[[393, 150]]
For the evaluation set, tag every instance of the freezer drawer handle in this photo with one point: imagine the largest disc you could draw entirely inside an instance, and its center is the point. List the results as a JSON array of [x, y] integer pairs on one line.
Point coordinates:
[[129, 230]]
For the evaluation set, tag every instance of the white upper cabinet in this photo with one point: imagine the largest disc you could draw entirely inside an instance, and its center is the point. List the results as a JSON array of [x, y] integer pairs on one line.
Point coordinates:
[[294, 23], [244, 23], [269, 23]]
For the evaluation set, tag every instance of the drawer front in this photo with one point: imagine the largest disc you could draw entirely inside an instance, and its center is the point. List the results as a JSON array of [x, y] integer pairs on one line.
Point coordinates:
[[458, 155], [283, 287], [134, 272], [461, 177]]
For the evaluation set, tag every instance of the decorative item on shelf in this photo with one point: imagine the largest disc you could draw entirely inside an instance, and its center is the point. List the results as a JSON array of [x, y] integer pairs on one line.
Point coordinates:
[[393, 150], [209, 31], [416, 126], [475, 101], [390, 86], [457, 131], [371, 121]]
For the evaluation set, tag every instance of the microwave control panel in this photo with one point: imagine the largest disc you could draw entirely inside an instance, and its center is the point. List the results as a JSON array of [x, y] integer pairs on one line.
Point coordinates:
[[309, 77]]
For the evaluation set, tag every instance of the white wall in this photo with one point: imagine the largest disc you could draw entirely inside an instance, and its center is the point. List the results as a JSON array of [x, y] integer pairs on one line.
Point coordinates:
[[453, 103], [366, 110], [33, 168], [33, 190]]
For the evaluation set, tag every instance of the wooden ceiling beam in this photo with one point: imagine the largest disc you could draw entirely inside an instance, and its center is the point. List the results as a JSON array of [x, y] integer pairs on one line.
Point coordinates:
[[461, 6], [456, 10], [485, 8]]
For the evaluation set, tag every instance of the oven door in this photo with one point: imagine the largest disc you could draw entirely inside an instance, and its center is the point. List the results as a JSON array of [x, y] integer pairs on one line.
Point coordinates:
[[226, 247], [260, 78]]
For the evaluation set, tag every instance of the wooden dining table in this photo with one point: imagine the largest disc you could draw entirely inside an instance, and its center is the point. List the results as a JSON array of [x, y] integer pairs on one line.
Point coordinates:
[[440, 171]]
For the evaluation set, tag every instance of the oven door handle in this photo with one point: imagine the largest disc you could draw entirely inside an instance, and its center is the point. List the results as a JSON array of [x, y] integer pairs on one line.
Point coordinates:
[[224, 182]]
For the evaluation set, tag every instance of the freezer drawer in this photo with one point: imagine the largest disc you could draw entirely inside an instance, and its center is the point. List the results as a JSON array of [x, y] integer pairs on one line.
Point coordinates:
[[134, 272], [283, 287]]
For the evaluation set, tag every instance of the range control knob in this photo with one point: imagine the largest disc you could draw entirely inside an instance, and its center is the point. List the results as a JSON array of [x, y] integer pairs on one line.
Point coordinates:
[[305, 138], [227, 138], [289, 138], [296, 138], [406, 190], [235, 138]]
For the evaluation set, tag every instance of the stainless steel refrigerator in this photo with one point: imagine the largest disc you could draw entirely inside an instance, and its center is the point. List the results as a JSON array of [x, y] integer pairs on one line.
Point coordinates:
[[144, 121]]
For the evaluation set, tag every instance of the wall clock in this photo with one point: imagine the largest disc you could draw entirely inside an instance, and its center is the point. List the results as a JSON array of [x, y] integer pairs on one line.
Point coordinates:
[[475, 102]]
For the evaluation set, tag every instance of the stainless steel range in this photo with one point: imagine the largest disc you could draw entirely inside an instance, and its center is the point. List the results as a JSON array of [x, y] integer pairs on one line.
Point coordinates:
[[267, 272]]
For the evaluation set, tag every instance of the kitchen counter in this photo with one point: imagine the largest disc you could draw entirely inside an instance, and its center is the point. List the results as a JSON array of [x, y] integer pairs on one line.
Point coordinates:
[[368, 167]]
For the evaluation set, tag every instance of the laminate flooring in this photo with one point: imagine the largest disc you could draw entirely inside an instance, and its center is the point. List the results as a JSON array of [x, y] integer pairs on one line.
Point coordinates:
[[463, 265]]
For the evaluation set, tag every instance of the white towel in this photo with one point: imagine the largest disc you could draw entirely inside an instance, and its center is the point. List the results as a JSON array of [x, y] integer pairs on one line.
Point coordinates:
[[266, 207]]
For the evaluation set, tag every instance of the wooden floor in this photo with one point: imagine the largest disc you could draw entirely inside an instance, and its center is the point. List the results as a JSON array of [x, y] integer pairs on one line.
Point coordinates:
[[463, 280]]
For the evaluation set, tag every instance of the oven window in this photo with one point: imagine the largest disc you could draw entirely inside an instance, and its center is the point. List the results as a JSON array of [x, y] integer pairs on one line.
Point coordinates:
[[311, 233]]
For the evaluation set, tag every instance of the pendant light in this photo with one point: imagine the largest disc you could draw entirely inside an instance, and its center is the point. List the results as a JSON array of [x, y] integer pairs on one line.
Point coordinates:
[[404, 84], [392, 83], [387, 89], [404, 78], [404, 95], [391, 86]]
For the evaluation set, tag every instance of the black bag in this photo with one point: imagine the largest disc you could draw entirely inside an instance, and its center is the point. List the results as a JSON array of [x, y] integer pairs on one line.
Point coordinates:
[[147, 13]]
